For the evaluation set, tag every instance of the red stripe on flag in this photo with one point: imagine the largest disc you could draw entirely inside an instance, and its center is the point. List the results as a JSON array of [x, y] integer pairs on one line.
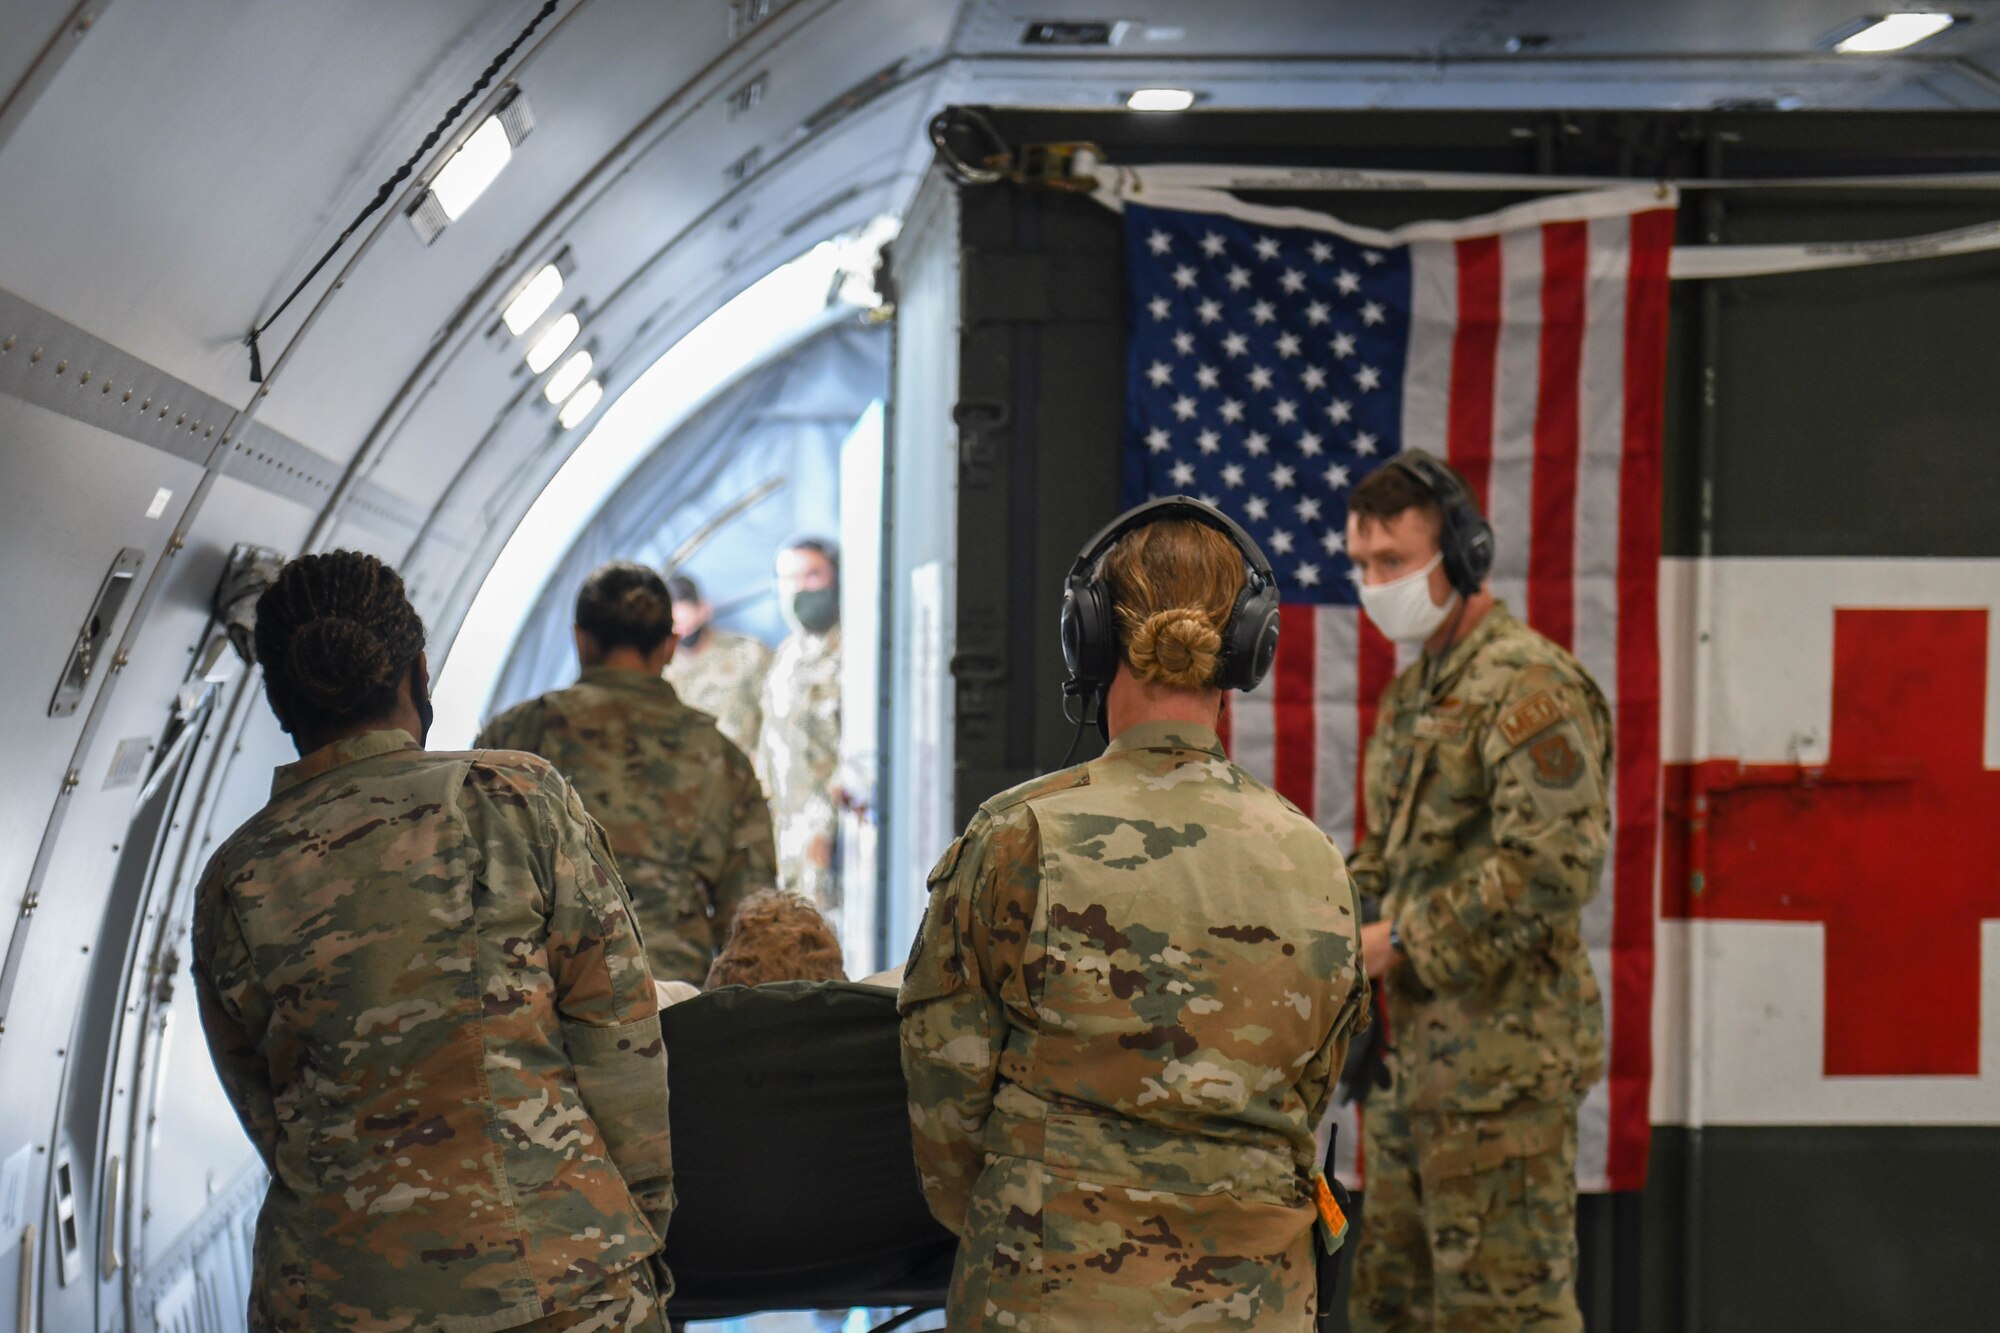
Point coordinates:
[[1475, 347], [1552, 536], [1375, 668], [1295, 734], [1638, 720]]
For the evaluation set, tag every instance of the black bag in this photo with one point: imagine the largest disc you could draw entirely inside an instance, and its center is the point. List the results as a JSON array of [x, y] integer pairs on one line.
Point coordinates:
[[796, 1185]]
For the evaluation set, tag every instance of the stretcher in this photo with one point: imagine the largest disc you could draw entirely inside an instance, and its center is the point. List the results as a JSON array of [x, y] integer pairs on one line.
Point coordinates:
[[796, 1186]]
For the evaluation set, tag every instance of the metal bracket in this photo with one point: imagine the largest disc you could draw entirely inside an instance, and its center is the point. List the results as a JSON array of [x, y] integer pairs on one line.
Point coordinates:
[[96, 629]]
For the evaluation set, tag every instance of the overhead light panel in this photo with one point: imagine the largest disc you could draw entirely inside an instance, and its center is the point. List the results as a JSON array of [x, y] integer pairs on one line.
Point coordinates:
[[581, 404], [472, 167], [1160, 99], [567, 377], [534, 300], [1893, 32], [554, 343]]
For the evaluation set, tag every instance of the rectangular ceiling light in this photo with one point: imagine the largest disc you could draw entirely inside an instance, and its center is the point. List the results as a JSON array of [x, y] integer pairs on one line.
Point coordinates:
[[1160, 99], [475, 165], [581, 404], [534, 300], [554, 343], [1893, 32], [472, 167], [566, 379]]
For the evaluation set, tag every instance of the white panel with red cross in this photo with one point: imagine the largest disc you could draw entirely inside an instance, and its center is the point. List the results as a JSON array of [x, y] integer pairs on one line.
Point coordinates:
[[1829, 948]]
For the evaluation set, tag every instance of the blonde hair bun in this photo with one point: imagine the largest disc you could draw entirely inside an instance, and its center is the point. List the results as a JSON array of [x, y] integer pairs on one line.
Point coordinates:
[[1179, 647]]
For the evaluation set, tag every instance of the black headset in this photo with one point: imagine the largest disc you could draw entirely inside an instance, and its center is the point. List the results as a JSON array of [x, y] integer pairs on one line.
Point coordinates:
[[1466, 537], [1090, 622]]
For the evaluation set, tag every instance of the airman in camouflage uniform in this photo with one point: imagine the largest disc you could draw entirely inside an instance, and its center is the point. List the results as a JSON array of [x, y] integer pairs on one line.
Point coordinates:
[[1485, 790], [428, 1002], [723, 675], [1123, 1017], [799, 756], [678, 800], [714, 671]]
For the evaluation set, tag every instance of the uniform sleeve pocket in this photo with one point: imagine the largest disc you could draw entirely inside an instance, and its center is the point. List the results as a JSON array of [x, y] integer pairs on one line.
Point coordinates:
[[936, 966]]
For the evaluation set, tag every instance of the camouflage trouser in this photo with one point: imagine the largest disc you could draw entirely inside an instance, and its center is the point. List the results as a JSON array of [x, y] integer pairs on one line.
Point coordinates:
[[626, 1302], [1468, 1223]]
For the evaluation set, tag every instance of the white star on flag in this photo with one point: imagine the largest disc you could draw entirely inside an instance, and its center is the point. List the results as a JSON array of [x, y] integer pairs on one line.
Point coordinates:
[[1159, 307], [1372, 313], [1307, 575], [1263, 312], [1336, 475], [1284, 411], [1341, 411], [1313, 377], [1183, 474], [1159, 242], [1281, 476], [1157, 441], [1320, 251], [1267, 247], [1232, 410], [1343, 345], [1368, 378], [1288, 345], [1161, 374], [1184, 276], [1238, 278], [1317, 312], [1281, 542], [1309, 444], [1236, 344], [1257, 444], [1210, 311], [1348, 283], [1364, 444], [1184, 343], [1232, 475], [1257, 507], [1293, 282], [1371, 257], [1260, 378], [1332, 541], [1307, 509], [1213, 245], [1208, 442], [1208, 377], [1184, 408]]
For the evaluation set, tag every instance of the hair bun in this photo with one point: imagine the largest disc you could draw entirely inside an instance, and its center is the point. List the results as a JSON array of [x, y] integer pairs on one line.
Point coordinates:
[[1177, 647], [339, 665]]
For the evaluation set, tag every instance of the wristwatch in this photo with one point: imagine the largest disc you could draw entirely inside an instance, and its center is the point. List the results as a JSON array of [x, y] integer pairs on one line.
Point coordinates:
[[1396, 939]]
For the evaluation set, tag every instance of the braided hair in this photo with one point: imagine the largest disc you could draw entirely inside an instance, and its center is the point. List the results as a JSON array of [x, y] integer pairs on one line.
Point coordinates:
[[336, 635], [625, 605]]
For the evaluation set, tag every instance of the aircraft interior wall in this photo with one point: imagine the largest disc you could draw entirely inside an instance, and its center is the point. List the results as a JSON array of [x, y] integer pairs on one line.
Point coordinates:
[[169, 172]]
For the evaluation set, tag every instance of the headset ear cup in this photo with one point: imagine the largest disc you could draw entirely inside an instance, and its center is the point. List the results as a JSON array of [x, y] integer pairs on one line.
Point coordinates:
[[1252, 640], [1478, 549]]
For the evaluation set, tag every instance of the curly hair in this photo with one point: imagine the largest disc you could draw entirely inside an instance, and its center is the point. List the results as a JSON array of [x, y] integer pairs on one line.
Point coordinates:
[[777, 936], [623, 604], [336, 635], [1173, 585]]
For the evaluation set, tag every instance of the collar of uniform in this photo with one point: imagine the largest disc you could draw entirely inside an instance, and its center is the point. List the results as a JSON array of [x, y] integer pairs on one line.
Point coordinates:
[[351, 750], [624, 678], [1167, 736], [1461, 653]]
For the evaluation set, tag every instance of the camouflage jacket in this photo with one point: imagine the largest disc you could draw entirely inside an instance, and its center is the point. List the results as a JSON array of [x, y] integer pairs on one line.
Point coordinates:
[[426, 998], [726, 681], [1122, 1018], [678, 801], [799, 753], [1485, 790]]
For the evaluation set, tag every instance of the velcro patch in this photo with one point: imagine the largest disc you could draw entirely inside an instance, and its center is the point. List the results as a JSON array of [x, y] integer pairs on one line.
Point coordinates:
[[1440, 728], [1536, 713]]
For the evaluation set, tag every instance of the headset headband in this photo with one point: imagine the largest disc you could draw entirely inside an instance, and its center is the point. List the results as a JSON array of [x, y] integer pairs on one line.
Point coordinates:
[[1165, 509]]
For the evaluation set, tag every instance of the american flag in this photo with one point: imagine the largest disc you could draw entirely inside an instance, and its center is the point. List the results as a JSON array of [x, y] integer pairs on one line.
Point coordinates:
[[1276, 357]]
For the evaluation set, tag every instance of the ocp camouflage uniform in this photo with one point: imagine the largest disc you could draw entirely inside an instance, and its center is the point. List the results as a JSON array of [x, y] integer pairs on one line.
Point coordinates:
[[1485, 788], [427, 1000], [678, 801], [726, 681], [799, 753], [1122, 1018]]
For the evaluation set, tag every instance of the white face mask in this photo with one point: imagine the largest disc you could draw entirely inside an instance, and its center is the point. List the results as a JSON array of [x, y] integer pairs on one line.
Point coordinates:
[[1403, 610]]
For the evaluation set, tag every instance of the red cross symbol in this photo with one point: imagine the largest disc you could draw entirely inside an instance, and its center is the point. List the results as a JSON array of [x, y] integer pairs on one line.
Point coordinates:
[[1893, 843]]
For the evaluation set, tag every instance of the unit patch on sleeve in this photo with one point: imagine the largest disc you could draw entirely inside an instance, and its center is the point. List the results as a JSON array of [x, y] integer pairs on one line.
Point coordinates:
[[1535, 713], [1557, 764]]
